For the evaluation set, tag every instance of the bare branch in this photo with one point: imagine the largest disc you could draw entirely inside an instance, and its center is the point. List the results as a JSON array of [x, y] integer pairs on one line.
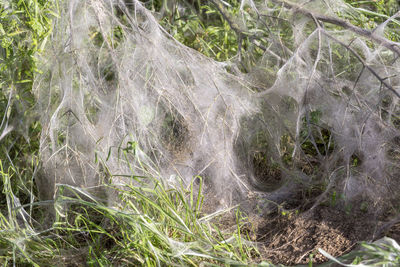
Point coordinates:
[[393, 46], [382, 80]]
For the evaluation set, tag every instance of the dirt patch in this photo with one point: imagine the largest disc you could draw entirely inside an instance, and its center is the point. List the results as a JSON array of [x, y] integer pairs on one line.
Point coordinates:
[[394, 232], [294, 239], [292, 233]]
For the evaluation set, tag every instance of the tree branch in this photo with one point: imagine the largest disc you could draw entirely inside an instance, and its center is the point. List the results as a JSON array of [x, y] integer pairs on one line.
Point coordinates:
[[393, 46], [382, 80]]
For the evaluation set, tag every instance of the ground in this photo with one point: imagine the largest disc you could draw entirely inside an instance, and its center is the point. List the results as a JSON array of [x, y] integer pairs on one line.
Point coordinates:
[[293, 238]]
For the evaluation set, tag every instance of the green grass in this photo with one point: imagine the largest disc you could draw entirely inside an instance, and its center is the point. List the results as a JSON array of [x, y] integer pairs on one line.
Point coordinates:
[[383, 253], [150, 225]]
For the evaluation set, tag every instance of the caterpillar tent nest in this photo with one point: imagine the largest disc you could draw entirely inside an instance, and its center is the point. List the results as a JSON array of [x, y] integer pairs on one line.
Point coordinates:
[[317, 112]]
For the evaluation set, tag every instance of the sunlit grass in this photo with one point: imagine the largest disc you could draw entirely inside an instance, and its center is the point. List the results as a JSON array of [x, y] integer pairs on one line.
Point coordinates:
[[150, 224]]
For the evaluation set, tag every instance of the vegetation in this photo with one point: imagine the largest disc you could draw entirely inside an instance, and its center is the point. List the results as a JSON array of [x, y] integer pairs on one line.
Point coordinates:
[[152, 223], [151, 226]]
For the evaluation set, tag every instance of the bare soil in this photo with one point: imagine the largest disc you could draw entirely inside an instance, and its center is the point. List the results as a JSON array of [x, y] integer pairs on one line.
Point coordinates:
[[294, 239], [394, 232]]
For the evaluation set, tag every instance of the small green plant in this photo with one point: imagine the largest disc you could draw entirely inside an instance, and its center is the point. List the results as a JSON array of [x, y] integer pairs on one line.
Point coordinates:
[[310, 258], [333, 198], [364, 206]]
